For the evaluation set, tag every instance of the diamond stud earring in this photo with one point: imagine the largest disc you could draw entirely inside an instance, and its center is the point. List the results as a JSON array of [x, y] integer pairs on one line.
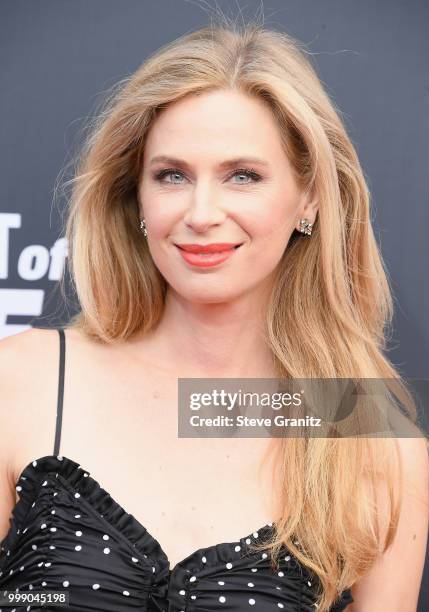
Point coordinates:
[[143, 227], [305, 226]]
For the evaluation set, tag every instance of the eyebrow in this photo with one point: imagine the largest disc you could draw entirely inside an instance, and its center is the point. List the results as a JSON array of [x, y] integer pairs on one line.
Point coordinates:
[[225, 164]]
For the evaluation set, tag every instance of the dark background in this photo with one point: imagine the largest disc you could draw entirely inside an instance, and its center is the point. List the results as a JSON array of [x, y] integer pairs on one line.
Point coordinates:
[[58, 57]]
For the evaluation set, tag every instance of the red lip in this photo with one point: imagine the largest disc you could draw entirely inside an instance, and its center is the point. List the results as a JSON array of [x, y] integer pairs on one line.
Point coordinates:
[[216, 247]]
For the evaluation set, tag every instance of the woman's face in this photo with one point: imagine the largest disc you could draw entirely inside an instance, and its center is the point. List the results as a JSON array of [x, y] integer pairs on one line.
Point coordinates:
[[214, 171]]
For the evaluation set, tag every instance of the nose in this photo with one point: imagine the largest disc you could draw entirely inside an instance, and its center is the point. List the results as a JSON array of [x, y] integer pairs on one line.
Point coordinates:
[[204, 210]]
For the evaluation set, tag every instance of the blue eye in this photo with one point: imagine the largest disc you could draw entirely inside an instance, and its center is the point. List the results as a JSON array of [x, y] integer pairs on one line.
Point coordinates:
[[159, 176], [249, 173]]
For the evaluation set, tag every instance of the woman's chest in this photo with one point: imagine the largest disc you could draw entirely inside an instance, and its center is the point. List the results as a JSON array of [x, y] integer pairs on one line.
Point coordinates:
[[189, 493]]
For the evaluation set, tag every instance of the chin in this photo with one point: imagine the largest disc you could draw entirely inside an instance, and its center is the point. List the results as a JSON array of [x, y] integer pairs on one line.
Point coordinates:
[[207, 296]]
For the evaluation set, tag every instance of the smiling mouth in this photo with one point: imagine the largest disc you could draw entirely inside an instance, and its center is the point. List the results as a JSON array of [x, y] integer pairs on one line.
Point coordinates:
[[209, 254], [195, 250], [209, 259]]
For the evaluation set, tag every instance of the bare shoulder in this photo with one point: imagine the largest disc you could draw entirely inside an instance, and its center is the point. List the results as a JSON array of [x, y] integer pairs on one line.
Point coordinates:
[[28, 375], [26, 378], [414, 453], [20, 354], [389, 585], [33, 338]]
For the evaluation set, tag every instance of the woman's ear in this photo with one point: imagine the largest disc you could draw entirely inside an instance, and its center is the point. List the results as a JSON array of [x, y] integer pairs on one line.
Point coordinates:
[[308, 209]]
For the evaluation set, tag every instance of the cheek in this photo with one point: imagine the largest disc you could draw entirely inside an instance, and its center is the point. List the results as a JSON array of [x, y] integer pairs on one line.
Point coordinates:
[[269, 225], [159, 208], [161, 221]]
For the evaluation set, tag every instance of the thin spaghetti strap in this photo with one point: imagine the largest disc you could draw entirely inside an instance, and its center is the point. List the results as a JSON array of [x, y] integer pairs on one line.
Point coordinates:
[[60, 392]]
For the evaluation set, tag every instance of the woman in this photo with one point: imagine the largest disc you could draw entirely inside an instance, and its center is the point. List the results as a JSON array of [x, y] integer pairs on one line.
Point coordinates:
[[226, 138]]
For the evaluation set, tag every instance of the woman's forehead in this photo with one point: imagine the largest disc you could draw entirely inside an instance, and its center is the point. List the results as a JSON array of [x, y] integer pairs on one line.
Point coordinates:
[[225, 123]]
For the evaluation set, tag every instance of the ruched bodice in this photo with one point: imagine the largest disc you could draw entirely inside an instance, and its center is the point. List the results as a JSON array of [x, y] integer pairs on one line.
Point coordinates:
[[68, 534]]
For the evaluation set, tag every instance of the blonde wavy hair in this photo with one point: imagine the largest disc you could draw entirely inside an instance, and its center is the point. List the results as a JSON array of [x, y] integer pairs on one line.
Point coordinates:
[[331, 303]]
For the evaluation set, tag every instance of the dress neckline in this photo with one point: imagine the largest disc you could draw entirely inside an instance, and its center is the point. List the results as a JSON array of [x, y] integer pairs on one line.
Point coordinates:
[[51, 470], [73, 475]]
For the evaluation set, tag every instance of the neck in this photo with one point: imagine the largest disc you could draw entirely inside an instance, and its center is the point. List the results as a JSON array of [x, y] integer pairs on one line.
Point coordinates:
[[213, 340]]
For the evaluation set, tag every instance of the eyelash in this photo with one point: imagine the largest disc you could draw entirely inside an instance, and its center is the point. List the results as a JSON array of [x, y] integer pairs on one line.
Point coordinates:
[[249, 173]]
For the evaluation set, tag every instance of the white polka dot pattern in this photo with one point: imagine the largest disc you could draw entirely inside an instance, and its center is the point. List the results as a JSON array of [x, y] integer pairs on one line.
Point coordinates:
[[68, 533]]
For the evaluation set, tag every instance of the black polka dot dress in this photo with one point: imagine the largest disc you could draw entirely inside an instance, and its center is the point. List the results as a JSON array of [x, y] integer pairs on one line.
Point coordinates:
[[68, 534]]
